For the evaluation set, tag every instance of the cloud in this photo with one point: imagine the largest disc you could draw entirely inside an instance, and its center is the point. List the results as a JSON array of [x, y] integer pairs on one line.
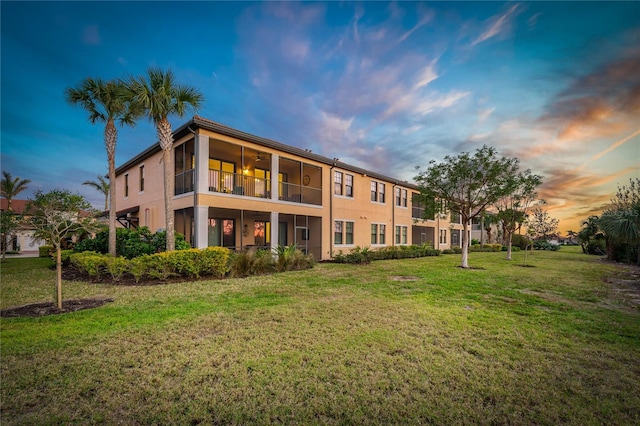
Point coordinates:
[[616, 144], [485, 113], [600, 103], [496, 25], [91, 36]]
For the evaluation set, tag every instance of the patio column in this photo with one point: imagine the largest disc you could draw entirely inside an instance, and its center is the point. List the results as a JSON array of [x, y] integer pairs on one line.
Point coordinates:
[[275, 172], [201, 223], [202, 164], [275, 224]]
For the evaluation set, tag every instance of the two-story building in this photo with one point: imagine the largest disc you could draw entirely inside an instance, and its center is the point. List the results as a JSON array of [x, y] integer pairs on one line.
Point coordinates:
[[237, 190]]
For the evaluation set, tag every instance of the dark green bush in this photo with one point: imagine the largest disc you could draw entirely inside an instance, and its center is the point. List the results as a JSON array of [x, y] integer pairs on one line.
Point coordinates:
[[545, 245], [448, 251], [45, 251], [365, 255], [131, 243], [521, 241]]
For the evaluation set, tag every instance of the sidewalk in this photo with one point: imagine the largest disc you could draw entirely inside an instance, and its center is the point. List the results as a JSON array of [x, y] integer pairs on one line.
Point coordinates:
[[22, 254]]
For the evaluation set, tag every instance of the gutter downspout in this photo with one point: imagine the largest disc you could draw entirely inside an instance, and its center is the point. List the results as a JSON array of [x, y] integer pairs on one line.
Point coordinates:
[[335, 160], [196, 187], [393, 215]]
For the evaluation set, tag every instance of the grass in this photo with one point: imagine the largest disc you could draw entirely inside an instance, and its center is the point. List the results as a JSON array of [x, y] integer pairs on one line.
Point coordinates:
[[333, 345]]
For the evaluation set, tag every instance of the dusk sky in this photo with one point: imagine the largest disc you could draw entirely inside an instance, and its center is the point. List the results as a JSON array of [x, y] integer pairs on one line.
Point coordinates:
[[383, 86]]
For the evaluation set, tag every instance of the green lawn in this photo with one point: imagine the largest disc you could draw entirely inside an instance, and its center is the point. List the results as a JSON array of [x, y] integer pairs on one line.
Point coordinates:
[[338, 344]]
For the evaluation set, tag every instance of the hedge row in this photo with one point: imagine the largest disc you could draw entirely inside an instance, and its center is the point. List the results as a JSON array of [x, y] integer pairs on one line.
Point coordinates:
[[366, 255], [192, 263]]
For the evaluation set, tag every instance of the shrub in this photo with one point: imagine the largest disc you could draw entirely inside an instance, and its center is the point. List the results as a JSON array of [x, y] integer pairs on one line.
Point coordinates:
[[131, 243], [138, 267], [521, 241], [213, 261], [251, 262], [475, 242], [65, 257], [89, 262], [545, 245], [448, 251], [45, 251], [159, 266], [116, 266]]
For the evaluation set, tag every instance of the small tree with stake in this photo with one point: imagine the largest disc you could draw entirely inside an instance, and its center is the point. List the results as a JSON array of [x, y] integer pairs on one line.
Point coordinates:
[[55, 216], [467, 184]]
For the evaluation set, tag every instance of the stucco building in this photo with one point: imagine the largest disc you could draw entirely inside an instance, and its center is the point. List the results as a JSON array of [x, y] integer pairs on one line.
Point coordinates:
[[237, 190]]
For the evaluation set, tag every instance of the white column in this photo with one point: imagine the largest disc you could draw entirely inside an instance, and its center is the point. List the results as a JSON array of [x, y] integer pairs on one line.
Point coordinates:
[[202, 164], [274, 230], [201, 222], [275, 171]]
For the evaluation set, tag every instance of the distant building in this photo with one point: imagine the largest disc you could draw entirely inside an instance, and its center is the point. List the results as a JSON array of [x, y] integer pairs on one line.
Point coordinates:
[[21, 240]]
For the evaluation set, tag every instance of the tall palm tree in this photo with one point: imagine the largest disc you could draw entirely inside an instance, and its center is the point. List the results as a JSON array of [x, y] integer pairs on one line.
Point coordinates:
[[106, 102], [10, 187], [102, 185], [159, 95]]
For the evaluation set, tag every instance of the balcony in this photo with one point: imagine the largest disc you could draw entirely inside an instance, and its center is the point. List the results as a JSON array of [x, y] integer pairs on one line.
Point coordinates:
[[299, 194], [238, 184]]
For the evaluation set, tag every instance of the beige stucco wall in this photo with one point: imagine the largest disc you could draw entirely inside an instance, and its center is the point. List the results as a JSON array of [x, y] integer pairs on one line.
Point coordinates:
[[358, 209]]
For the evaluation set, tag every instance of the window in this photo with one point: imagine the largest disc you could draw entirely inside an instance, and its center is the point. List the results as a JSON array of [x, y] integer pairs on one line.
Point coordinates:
[[455, 237], [343, 184], [184, 165], [349, 233], [377, 233], [443, 236], [401, 197], [401, 234], [126, 185], [342, 232], [262, 233], [141, 178], [377, 191], [337, 183], [348, 185]]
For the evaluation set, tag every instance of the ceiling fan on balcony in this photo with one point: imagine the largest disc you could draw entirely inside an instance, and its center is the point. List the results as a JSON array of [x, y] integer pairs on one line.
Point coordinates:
[[261, 156]]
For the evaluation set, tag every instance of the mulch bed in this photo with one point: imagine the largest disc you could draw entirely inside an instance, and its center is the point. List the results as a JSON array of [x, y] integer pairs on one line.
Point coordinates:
[[50, 308]]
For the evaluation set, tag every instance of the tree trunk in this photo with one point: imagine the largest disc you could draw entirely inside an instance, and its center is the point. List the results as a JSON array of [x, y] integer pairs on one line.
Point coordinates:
[[509, 235], [165, 136], [168, 200], [465, 245], [110, 136], [59, 274]]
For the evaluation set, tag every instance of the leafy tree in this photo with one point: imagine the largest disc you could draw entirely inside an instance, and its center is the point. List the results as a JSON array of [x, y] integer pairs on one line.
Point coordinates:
[[159, 96], [55, 216], [488, 220], [621, 221], [590, 236], [106, 102], [513, 208], [102, 185], [541, 224], [9, 188], [468, 184], [9, 223]]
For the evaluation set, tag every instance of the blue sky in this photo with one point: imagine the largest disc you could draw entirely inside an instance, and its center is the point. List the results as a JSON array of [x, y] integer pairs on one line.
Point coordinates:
[[385, 86]]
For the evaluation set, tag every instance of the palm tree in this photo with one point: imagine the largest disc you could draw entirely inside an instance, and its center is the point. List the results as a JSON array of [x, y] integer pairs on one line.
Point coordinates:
[[102, 185], [106, 102], [10, 187], [159, 96]]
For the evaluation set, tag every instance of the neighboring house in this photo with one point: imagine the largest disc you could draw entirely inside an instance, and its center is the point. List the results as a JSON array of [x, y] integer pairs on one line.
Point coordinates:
[[237, 190], [22, 239]]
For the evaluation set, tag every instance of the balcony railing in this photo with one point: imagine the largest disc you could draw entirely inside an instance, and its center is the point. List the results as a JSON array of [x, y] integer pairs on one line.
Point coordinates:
[[239, 184], [184, 182], [299, 194]]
